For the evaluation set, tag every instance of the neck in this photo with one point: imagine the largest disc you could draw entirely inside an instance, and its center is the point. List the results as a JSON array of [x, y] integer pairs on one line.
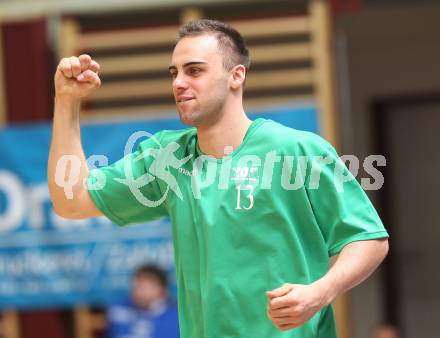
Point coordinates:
[[228, 131]]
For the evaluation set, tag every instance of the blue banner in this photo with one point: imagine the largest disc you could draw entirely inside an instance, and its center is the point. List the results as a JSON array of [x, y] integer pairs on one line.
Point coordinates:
[[47, 261]]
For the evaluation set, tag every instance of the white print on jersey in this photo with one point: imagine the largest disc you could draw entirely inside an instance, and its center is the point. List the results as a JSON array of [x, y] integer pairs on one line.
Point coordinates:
[[244, 174], [249, 196]]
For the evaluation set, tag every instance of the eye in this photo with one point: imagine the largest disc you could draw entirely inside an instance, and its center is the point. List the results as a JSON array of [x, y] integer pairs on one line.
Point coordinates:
[[173, 74], [195, 71]]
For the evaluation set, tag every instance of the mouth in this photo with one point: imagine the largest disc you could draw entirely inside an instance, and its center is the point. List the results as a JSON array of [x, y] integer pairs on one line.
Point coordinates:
[[184, 99]]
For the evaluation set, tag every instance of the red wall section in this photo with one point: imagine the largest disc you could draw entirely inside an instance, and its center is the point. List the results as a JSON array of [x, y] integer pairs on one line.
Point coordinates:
[[28, 78]]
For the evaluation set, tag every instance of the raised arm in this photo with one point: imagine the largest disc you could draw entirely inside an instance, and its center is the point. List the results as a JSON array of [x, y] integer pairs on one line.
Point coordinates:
[[75, 78]]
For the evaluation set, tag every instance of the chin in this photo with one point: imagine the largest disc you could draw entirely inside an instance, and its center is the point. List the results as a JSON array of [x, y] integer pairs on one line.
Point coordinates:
[[188, 119]]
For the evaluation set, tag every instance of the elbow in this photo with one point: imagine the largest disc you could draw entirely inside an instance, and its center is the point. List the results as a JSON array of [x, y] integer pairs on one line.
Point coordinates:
[[65, 207], [61, 211], [66, 211]]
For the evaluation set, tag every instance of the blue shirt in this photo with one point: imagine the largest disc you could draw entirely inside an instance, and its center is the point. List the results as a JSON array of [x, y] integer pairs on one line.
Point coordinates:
[[125, 320]]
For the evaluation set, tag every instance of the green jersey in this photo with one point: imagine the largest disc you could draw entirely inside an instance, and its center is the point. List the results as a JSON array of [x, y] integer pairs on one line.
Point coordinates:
[[268, 213]]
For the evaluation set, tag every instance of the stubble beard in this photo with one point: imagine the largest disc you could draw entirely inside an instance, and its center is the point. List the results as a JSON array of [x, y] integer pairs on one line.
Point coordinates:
[[204, 114]]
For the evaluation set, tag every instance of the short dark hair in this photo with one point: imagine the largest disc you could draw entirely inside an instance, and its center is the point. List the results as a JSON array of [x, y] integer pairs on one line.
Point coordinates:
[[229, 40], [150, 270]]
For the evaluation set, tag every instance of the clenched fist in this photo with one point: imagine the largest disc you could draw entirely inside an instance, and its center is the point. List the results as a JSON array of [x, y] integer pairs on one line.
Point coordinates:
[[76, 77], [292, 305]]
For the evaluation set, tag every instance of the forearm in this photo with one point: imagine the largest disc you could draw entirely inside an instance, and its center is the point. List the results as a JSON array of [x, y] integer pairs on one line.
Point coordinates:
[[355, 263], [66, 140]]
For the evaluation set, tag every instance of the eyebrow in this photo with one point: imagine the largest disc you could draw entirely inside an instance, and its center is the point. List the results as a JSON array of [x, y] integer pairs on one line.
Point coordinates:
[[189, 64]]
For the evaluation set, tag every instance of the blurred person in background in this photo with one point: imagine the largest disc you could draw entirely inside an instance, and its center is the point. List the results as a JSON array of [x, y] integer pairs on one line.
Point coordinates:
[[250, 261], [149, 312], [386, 331]]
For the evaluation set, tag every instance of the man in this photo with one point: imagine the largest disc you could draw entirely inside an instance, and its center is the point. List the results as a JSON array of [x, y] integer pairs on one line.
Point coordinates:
[[148, 313], [251, 248]]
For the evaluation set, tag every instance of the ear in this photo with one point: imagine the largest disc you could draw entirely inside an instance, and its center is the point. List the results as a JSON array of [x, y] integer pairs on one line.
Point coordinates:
[[238, 76]]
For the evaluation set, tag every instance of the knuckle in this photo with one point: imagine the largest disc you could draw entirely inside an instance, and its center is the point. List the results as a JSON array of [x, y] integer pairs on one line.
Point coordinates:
[[74, 60], [85, 62], [63, 63]]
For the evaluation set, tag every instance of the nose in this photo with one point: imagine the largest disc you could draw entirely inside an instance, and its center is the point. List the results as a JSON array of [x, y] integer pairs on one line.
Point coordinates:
[[180, 83]]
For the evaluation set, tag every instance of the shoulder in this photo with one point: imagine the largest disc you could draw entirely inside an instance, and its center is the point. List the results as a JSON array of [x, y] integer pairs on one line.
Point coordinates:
[[294, 141]]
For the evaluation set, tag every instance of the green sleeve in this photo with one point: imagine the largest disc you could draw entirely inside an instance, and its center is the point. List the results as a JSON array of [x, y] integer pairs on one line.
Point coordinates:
[[125, 191], [342, 210]]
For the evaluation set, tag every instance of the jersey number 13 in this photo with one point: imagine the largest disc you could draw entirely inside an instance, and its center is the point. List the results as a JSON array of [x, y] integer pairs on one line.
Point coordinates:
[[250, 197]]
